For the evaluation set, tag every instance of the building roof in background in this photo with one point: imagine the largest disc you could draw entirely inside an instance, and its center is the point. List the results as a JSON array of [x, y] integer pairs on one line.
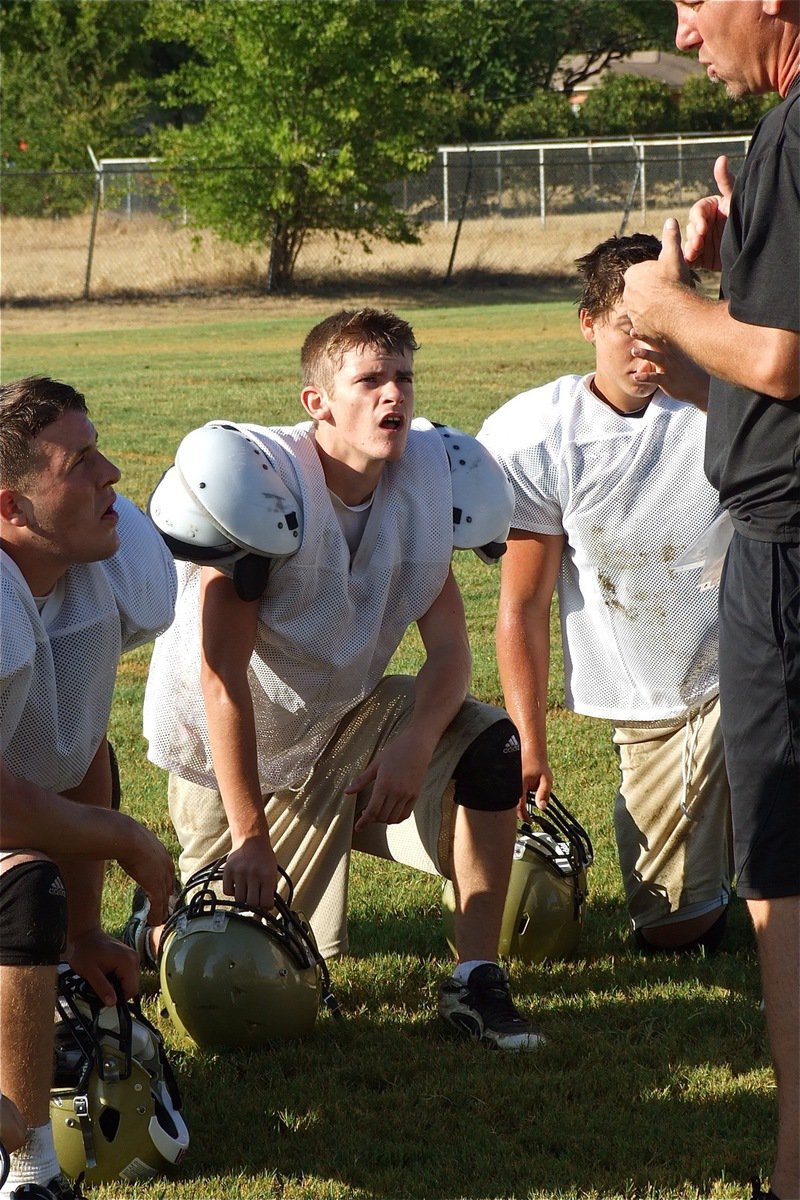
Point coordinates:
[[672, 69]]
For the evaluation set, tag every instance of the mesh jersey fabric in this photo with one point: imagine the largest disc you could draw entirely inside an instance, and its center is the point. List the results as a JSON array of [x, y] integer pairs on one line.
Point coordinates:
[[327, 626], [640, 640], [57, 680]]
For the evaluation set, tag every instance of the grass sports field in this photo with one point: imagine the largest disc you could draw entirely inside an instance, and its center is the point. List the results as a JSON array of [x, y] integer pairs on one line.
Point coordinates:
[[656, 1081]]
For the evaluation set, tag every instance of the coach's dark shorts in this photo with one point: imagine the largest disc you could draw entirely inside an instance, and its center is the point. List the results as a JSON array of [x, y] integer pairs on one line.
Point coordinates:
[[760, 705]]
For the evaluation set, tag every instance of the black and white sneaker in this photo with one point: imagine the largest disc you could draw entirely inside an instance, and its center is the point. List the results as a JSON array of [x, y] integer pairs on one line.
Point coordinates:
[[134, 933], [482, 1009], [59, 1188]]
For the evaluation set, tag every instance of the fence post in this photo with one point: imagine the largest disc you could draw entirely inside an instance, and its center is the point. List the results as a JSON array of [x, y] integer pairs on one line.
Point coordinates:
[[93, 228], [542, 208], [643, 180], [464, 199], [445, 189]]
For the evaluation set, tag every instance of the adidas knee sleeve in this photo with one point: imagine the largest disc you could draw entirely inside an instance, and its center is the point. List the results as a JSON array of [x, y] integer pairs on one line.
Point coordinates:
[[488, 776], [33, 914]]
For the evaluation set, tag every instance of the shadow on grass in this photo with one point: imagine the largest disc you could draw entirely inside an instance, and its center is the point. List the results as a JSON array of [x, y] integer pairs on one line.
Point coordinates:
[[466, 289], [637, 1088], [418, 929]]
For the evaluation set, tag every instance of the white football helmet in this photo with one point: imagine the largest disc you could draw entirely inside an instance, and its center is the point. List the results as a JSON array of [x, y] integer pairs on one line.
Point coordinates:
[[224, 504], [483, 499]]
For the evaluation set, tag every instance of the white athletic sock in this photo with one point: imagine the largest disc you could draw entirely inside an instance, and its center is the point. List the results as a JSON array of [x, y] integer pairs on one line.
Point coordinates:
[[35, 1161], [463, 970]]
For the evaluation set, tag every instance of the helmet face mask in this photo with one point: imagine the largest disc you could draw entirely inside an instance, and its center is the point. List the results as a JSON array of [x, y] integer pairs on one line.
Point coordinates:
[[232, 977], [546, 899], [114, 1103]]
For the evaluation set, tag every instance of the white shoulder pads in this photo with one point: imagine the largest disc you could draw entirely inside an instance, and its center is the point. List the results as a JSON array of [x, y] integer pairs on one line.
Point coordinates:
[[224, 499], [483, 499]]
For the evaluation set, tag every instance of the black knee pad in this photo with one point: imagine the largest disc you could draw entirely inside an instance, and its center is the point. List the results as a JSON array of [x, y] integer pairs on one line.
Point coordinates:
[[488, 776], [708, 941], [33, 914]]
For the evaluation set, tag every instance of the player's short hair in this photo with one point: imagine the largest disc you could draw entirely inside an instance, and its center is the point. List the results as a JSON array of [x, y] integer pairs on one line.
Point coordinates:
[[603, 269], [352, 329], [27, 406]]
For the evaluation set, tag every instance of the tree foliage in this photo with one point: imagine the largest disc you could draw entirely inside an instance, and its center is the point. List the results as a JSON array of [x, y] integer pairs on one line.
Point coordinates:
[[545, 115], [706, 107], [73, 74], [491, 55], [309, 111], [627, 104]]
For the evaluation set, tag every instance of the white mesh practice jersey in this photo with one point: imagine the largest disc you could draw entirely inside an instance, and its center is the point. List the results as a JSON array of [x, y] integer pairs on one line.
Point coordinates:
[[57, 669], [327, 626], [629, 494]]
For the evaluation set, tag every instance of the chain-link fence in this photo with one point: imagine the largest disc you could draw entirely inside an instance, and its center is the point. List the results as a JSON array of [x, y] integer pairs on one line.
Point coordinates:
[[485, 212]]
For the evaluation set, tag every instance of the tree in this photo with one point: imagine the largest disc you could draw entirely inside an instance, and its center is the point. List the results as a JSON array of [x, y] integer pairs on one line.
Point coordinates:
[[309, 112], [627, 104], [706, 107], [491, 55], [72, 76], [545, 115]]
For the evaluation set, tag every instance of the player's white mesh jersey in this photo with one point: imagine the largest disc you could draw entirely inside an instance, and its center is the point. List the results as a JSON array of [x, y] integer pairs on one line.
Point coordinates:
[[629, 494], [327, 626], [57, 669]]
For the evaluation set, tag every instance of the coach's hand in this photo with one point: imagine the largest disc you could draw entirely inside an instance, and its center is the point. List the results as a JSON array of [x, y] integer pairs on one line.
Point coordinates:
[[251, 874], [707, 218]]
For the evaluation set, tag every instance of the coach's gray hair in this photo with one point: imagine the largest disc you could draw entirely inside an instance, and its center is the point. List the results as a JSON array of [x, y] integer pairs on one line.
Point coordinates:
[[27, 406]]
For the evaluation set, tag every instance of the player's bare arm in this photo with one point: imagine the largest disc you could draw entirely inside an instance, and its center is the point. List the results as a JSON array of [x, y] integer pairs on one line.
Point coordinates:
[[229, 627], [530, 569], [35, 817], [756, 357], [90, 951], [398, 771]]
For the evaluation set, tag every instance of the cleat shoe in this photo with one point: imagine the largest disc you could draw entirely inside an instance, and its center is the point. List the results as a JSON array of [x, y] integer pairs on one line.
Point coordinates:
[[59, 1188], [135, 932], [482, 1009]]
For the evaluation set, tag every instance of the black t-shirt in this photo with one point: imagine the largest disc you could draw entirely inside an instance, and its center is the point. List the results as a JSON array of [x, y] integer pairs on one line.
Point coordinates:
[[753, 442]]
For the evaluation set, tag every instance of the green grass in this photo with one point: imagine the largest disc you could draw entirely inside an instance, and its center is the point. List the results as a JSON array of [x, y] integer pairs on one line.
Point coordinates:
[[656, 1081]]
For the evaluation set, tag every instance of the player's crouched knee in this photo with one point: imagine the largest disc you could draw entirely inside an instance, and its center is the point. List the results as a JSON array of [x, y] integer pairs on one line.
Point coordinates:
[[708, 942], [33, 914], [488, 776]]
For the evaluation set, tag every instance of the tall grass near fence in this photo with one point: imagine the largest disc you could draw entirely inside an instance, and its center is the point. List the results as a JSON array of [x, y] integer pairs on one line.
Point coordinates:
[[655, 1082], [147, 256]]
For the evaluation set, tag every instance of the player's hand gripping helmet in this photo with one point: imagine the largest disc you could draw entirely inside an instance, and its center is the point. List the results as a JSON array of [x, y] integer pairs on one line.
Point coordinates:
[[114, 1103], [234, 977], [546, 898], [223, 503], [483, 499]]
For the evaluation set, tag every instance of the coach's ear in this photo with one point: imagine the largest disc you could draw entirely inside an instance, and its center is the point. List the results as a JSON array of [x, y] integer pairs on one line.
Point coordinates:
[[14, 507]]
